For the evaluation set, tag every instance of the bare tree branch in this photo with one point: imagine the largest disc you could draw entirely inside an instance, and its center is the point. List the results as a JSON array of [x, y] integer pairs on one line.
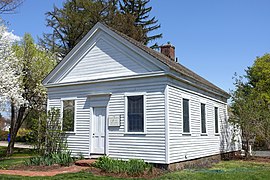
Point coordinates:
[[9, 6]]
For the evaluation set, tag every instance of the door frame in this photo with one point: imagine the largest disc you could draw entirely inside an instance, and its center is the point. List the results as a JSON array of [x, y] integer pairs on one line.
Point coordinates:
[[106, 141]]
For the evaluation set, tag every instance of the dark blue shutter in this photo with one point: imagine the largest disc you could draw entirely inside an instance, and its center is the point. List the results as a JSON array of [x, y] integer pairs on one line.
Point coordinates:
[[185, 115], [216, 120], [203, 123]]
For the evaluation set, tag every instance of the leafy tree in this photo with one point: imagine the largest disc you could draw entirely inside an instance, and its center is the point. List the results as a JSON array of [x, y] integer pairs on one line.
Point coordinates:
[[72, 22], [139, 10], [251, 101], [258, 76], [34, 64], [244, 113]]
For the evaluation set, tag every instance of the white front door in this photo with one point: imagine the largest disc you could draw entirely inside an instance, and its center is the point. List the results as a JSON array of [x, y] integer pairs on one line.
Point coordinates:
[[98, 130]]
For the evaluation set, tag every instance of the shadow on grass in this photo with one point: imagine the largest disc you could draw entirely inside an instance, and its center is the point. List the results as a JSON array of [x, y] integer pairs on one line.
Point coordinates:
[[18, 157], [18, 152]]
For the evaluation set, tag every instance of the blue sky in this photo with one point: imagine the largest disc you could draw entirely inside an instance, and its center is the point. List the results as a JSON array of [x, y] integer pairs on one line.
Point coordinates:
[[213, 38]]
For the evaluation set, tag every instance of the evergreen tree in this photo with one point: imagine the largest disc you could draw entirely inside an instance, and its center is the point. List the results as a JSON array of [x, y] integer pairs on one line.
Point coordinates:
[[139, 9], [72, 22]]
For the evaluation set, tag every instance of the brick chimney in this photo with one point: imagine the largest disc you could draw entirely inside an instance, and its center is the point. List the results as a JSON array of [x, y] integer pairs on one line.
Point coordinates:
[[168, 50]]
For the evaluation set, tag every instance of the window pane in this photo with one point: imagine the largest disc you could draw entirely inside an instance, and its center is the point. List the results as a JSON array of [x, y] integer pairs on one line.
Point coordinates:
[[185, 115], [216, 120], [135, 114], [203, 124], [68, 115]]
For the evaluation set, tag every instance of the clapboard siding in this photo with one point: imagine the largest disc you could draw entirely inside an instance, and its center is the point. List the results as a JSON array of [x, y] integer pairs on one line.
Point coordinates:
[[106, 58], [149, 146], [195, 145], [125, 146]]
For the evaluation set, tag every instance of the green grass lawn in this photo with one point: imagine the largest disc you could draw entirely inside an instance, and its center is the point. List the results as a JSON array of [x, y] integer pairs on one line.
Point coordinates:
[[19, 156], [5, 163], [231, 170], [81, 175]]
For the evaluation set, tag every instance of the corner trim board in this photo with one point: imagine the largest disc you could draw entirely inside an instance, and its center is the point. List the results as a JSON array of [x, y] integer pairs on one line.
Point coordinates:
[[167, 134]]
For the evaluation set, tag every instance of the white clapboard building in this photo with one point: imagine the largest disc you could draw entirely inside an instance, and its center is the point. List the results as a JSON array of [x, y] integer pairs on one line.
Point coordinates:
[[122, 99]]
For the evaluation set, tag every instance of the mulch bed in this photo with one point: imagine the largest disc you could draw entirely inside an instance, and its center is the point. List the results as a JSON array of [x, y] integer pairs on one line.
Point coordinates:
[[53, 170], [146, 175]]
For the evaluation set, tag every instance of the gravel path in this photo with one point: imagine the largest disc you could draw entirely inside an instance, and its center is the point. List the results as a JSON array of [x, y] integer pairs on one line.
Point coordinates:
[[261, 153]]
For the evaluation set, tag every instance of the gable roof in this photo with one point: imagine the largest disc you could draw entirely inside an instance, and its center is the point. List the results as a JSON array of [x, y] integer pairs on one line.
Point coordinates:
[[157, 55], [170, 63]]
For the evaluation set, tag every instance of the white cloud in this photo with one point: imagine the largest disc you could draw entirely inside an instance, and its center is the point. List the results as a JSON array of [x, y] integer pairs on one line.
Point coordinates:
[[12, 36]]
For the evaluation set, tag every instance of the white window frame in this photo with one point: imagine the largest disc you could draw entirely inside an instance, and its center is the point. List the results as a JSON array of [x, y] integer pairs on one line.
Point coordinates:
[[189, 114], [203, 102], [75, 113], [144, 112], [218, 109]]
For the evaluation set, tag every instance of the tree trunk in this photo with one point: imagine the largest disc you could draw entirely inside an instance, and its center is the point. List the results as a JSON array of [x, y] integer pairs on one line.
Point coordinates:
[[11, 143], [246, 146], [11, 130], [16, 123]]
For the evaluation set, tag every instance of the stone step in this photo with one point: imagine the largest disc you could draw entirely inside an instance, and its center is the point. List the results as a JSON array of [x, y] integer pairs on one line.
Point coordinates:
[[85, 162]]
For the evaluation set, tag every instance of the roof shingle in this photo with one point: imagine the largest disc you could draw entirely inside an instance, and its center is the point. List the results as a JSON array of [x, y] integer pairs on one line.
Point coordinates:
[[172, 64]]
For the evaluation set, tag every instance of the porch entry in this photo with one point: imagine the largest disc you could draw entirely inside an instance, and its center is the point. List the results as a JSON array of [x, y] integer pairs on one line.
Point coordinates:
[[98, 130]]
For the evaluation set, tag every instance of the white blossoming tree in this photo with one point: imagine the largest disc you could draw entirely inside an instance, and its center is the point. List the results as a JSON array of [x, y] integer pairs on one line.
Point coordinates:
[[23, 66], [10, 82]]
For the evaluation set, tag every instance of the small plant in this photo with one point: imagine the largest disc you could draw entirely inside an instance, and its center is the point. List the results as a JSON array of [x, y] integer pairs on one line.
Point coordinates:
[[79, 156], [137, 166], [61, 158], [131, 167]]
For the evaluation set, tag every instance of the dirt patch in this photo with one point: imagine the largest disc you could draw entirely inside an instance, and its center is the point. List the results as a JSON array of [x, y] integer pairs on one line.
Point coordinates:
[[60, 170], [260, 159], [35, 168], [22, 170], [146, 175]]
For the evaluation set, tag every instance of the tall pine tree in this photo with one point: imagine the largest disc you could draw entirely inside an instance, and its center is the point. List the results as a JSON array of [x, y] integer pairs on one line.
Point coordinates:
[[139, 10], [72, 22]]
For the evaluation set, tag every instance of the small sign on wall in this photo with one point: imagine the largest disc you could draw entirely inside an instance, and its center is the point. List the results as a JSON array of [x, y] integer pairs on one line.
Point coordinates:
[[114, 121]]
